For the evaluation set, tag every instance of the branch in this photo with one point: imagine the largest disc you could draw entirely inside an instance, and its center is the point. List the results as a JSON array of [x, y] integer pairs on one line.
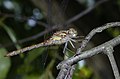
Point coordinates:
[[81, 14], [53, 27], [109, 52], [22, 18], [66, 64], [94, 31], [78, 16]]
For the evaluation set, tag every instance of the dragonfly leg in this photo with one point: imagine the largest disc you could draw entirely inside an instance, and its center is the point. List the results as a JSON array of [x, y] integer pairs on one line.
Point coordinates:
[[79, 37], [65, 47], [71, 44], [73, 40], [70, 50], [76, 40]]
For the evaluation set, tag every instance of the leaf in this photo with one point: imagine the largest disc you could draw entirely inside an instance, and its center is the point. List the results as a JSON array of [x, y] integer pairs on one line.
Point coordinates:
[[11, 34], [5, 64]]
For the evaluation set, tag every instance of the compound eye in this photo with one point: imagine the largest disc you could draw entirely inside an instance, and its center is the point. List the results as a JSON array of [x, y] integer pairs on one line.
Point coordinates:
[[62, 34]]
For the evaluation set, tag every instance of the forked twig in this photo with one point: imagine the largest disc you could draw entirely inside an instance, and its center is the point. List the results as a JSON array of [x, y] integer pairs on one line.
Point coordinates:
[[67, 64]]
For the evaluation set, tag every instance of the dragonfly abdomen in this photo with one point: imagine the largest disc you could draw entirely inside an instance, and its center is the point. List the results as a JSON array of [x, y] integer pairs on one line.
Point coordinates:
[[25, 49]]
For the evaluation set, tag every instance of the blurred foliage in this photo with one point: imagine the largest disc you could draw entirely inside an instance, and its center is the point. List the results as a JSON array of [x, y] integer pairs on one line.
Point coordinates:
[[21, 19], [83, 73], [114, 31], [10, 32], [5, 64]]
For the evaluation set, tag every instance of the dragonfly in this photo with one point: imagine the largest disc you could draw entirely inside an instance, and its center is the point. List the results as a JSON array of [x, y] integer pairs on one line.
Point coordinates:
[[58, 38]]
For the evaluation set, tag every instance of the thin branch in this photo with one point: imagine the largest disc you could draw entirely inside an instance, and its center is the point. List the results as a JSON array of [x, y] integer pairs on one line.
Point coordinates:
[[91, 34], [86, 54], [78, 16], [109, 52], [22, 18], [39, 34], [53, 27], [70, 72], [73, 60], [61, 25], [94, 31]]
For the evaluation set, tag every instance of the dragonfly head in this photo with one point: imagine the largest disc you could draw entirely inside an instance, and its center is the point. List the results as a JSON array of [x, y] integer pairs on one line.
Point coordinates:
[[72, 32]]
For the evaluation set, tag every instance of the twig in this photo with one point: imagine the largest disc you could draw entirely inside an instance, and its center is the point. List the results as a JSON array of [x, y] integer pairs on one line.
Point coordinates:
[[61, 25], [22, 18], [53, 27], [109, 52], [73, 60], [78, 16], [82, 55], [39, 34], [70, 72], [94, 31], [91, 34]]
